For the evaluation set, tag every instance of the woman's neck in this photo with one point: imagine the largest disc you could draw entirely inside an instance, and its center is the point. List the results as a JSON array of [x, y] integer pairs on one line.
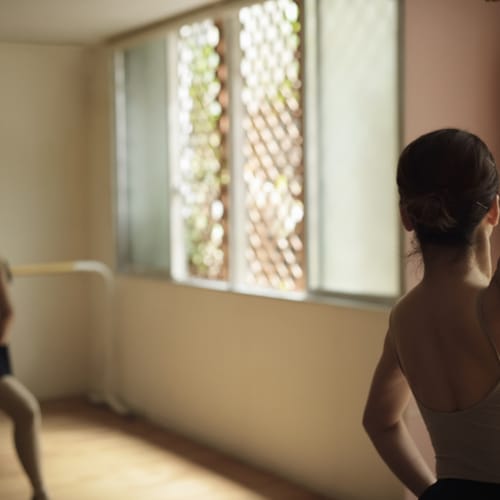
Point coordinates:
[[449, 265]]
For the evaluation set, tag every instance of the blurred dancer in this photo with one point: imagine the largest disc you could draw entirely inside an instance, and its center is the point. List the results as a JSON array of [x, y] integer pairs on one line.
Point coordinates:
[[17, 401]]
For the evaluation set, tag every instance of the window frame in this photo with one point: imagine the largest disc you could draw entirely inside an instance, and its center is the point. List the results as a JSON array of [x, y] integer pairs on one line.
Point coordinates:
[[227, 13]]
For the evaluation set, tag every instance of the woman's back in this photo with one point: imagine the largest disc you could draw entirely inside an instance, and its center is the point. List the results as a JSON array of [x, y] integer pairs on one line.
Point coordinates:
[[443, 348], [443, 340]]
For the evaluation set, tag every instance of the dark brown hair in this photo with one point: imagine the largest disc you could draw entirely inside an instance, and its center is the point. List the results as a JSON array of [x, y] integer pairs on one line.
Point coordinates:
[[447, 180]]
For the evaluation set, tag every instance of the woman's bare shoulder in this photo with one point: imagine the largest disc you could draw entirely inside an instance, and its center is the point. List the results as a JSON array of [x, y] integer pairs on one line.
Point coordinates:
[[406, 306]]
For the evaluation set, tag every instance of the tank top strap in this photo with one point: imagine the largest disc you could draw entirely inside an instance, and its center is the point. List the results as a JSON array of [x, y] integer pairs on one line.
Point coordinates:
[[482, 323], [393, 343]]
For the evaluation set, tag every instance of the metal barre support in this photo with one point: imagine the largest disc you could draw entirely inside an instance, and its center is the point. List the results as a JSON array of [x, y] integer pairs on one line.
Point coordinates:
[[86, 266]]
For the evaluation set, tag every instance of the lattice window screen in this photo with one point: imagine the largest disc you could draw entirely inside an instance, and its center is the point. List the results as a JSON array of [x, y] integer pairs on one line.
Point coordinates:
[[203, 167], [273, 171]]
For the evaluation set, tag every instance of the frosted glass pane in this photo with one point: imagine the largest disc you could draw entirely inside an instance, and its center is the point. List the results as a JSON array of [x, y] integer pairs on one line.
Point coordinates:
[[358, 146], [146, 159]]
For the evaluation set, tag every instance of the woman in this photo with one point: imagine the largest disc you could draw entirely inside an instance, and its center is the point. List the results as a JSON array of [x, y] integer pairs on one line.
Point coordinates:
[[17, 402], [443, 339]]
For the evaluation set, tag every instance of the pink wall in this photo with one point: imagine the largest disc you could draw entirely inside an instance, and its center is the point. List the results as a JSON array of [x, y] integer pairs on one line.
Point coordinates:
[[451, 79], [452, 67]]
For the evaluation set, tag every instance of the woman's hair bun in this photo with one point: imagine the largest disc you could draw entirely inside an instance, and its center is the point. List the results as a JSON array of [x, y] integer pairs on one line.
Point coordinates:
[[430, 210]]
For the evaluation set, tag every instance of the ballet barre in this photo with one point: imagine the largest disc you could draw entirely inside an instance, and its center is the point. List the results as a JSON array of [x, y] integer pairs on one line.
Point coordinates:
[[64, 267]]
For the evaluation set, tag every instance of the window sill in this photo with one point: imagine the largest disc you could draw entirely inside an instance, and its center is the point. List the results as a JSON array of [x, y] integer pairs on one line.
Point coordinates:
[[351, 301]]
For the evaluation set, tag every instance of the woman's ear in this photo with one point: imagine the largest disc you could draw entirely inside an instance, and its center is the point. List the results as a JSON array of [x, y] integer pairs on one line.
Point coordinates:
[[494, 212], [405, 219]]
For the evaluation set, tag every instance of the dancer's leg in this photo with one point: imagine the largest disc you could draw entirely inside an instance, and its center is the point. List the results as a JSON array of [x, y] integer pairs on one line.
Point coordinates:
[[18, 402]]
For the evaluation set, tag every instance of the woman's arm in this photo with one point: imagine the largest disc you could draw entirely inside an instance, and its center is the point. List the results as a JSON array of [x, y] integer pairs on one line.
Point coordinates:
[[6, 312], [383, 421]]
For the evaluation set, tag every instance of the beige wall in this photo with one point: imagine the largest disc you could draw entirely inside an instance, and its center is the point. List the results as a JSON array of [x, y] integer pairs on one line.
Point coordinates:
[[452, 79], [43, 209], [279, 383]]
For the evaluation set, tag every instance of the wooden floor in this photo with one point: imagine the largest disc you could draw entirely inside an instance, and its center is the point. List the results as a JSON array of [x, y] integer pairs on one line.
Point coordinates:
[[90, 453]]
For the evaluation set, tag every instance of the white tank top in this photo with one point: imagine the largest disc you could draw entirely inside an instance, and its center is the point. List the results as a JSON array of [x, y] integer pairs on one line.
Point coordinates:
[[467, 442]]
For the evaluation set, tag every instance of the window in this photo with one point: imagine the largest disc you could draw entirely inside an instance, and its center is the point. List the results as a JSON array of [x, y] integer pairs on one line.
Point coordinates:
[[142, 157], [256, 148]]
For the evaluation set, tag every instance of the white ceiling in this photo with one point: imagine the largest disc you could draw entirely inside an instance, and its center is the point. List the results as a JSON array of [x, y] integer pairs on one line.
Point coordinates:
[[83, 21]]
